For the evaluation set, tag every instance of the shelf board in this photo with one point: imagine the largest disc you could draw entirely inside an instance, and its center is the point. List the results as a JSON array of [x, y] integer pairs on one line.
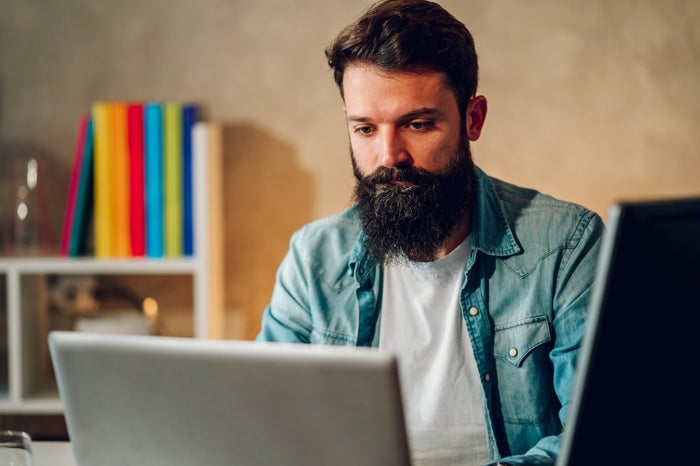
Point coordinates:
[[130, 265], [41, 401], [32, 406]]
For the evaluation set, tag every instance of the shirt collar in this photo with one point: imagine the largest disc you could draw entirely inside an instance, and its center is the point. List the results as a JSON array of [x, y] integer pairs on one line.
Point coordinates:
[[491, 233]]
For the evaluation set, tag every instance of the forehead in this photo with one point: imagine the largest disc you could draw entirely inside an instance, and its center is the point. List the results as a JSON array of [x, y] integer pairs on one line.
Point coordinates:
[[368, 88]]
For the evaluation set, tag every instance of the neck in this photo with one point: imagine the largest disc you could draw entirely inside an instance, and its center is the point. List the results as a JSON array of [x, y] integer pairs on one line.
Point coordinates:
[[458, 235], [462, 230]]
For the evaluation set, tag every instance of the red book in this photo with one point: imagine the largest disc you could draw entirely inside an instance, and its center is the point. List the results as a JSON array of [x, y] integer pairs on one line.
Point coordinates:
[[136, 176], [73, 187]]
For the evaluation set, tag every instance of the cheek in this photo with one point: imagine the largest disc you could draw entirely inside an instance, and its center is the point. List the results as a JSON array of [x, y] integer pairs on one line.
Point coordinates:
[[364, 156], [431, 155]]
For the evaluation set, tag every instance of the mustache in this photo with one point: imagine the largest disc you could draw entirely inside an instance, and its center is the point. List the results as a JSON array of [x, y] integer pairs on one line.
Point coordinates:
[[408, 177]]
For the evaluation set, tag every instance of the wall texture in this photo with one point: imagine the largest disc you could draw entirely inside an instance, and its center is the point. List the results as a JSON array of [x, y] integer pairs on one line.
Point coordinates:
[[589, 100]]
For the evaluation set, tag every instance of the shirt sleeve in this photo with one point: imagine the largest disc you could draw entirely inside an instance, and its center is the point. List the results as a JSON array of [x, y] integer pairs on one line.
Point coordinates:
[[287, 318]]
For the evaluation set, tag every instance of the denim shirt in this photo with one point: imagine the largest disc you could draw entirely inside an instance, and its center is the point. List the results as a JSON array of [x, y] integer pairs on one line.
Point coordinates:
[[524, 299]]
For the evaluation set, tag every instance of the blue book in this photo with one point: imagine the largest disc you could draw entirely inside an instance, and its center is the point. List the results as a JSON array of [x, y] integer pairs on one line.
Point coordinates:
[[78, 243], [153, 178], [189, 118]]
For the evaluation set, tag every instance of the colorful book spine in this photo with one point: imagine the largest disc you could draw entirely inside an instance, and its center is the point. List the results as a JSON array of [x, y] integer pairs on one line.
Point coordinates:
[[68, 218], [136, 176], [172, 177], [189, 118], [142, 167], [103, 182], [153, 175], [120, 178], [84, 197]]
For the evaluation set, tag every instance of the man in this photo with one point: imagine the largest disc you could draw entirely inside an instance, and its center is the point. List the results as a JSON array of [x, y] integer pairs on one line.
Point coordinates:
[[480, 287]]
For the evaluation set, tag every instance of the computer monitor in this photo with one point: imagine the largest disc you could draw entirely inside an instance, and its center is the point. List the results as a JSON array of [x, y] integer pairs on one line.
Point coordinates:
[[635, 397]]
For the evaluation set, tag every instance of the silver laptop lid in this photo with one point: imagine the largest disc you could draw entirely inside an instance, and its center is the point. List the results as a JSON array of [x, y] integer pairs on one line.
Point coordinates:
[[168, 401]]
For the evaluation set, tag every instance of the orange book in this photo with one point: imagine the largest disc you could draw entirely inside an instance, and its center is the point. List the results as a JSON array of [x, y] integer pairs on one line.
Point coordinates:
[[121, 186]]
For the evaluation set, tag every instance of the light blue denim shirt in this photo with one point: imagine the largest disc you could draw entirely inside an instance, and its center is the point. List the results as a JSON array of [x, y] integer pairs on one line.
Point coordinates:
[[526, 288]]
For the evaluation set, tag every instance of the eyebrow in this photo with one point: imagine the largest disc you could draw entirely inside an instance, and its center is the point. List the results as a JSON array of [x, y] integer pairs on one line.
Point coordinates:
[[417, 113]]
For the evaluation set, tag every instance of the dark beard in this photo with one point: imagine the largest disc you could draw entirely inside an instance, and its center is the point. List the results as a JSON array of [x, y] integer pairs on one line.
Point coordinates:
[[412, 220]]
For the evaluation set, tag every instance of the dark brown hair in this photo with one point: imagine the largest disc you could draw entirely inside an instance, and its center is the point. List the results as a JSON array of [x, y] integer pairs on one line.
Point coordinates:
[[407, 35]]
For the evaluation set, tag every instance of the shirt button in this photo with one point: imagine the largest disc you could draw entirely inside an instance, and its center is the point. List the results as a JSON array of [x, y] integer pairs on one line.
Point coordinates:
[[473, 311], [513, 352], [487, 377]]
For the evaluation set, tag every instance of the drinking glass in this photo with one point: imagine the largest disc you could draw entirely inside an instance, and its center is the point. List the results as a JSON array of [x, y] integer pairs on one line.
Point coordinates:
[[15, 448]]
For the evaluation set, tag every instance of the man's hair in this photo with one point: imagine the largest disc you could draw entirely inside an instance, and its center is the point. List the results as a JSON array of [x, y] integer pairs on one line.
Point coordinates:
[[408, 35]]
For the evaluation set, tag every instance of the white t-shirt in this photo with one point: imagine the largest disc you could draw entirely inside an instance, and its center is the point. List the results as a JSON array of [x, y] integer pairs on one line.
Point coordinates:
[[422, 323]]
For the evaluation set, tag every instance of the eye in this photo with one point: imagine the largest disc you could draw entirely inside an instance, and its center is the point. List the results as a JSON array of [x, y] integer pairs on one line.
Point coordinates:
[[365, 130], [421, 125]]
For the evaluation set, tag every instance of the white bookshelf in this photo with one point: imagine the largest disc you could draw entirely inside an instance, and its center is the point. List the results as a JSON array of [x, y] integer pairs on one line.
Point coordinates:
[[27, 384]]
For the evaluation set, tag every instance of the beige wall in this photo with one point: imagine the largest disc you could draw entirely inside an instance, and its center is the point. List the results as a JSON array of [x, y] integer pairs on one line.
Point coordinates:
[[589, 100]]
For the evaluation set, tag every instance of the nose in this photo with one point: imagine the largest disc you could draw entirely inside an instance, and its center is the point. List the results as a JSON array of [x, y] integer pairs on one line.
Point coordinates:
[[393, 149]]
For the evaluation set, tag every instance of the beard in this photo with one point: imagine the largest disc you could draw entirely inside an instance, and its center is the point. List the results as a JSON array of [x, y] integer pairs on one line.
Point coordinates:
[[408, 213]]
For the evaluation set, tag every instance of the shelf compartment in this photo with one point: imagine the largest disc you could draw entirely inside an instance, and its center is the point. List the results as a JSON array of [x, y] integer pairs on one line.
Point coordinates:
[[46, 306], [4, 353]]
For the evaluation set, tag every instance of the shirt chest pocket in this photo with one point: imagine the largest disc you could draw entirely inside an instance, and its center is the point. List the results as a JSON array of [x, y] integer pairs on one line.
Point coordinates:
[[515, 341], [521, 353]]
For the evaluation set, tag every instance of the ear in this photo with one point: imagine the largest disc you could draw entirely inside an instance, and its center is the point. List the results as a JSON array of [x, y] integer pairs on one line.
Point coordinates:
[[476, 115]]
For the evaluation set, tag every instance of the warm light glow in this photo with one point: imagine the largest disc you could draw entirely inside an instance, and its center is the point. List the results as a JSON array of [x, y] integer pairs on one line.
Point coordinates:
[[150, 308], [22, 211], [32, 173]]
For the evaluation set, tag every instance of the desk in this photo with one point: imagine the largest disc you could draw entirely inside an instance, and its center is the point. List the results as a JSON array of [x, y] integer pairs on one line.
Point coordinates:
[[52, 454]]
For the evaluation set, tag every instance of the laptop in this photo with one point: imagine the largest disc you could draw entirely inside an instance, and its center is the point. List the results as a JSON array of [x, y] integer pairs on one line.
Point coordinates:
[[156, 400], [635, 396]]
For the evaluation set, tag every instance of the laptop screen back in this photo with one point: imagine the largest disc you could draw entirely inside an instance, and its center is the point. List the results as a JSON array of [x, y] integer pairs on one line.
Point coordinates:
[[166, 401]]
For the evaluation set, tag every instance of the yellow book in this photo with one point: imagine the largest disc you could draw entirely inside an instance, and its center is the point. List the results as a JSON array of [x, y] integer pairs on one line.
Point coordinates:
[[103, 181], [172, 178], [121, 189]]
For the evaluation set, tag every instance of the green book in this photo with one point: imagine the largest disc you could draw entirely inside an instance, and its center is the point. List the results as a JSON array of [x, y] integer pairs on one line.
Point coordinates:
[[172, 177]]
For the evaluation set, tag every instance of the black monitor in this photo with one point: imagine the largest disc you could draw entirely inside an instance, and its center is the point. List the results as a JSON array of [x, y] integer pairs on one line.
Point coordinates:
[[635, 396]]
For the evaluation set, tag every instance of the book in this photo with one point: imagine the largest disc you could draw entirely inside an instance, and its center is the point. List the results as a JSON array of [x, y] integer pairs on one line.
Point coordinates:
[[189, 118], [153, 176], [68, 218], [120, 180], [207, 158], [143, 197], [103, 182], [135, 145], [172, 178], [83, 213]]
